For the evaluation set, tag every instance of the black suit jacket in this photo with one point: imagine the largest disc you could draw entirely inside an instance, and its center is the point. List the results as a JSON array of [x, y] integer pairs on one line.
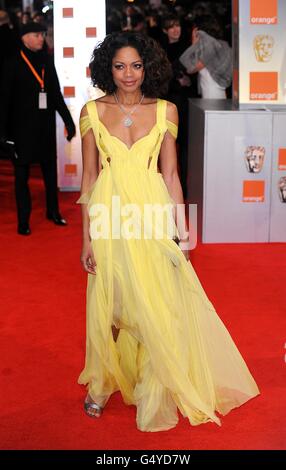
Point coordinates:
[[32, 129]]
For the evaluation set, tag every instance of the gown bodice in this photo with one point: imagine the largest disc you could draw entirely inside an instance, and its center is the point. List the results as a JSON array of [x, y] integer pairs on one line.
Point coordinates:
[[115, 153]]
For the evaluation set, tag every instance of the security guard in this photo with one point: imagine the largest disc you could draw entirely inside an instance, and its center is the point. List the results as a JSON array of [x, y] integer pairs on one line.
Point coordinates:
[[30, 95]]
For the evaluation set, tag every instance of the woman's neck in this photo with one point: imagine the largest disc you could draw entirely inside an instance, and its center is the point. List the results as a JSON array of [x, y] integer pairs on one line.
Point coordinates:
[[130, 99]]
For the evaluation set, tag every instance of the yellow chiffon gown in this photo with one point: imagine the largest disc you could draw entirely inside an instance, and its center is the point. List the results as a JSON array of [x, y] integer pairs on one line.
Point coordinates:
[[173, 352]]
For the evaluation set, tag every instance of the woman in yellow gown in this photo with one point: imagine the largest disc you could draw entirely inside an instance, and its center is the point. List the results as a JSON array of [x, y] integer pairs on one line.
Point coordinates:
[[169, 351]]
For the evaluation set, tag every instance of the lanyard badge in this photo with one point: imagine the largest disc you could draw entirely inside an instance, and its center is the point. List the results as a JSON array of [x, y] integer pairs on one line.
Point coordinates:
[[42, 93], [43, 100]]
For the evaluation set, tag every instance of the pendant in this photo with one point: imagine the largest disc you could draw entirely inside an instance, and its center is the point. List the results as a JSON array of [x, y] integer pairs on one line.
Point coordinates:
[[127, 122]]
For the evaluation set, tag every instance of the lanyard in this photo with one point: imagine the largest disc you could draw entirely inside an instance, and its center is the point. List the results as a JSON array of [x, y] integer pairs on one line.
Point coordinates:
[[34, 72]]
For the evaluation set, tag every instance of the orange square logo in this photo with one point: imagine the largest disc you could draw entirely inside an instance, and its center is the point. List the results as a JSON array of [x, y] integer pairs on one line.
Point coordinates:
[[70, 169], [263, 86], [90, 32], [87, 72], [69, 91], [263, 12], [67, 12], [253, 191], [282, 159], [68, 52]]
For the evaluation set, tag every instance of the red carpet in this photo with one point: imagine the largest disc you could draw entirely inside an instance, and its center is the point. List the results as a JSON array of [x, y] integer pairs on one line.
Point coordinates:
[[43, 337]]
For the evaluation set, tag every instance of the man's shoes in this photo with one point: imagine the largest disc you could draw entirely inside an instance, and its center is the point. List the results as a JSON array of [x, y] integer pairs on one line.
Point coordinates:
[[56, 218], [24, 229]]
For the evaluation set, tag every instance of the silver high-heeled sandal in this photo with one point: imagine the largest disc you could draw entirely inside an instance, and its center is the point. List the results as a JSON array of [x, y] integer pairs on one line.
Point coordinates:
[[92, 409]]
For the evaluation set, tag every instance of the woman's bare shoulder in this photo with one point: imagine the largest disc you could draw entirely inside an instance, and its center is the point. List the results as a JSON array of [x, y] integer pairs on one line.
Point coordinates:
[[102, 101], [172, 112], [83, 111]]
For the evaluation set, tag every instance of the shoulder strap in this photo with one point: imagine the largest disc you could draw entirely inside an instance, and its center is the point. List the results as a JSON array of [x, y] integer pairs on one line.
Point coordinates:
[[163, 123], [161, 114], [93, 118], [84, 125], [173, 129]]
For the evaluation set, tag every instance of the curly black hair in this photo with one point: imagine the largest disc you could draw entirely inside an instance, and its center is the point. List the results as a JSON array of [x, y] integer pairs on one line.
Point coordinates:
[[158, 70]]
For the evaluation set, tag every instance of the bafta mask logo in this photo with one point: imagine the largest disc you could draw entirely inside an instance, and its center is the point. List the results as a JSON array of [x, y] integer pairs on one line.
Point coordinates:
[[263, 47], [254, 158], [282, 188]]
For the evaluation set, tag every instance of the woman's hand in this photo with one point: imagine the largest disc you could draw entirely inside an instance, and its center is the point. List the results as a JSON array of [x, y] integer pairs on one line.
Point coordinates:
[[87, 259]]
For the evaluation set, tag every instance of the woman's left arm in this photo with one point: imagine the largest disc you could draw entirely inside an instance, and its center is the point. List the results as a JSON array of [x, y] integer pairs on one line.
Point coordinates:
[[169, 169]]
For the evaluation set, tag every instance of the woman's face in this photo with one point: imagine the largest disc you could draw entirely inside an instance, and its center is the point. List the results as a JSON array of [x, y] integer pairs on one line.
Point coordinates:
[[174, 32], [127, 69]]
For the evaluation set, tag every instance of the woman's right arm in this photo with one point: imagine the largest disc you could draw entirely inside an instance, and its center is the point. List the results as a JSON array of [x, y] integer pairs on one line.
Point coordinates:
[[90, 170]]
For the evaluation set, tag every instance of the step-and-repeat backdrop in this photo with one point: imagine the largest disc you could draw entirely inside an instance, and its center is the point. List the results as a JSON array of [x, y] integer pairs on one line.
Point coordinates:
[[78, 27], [260, 59], [257, 137]]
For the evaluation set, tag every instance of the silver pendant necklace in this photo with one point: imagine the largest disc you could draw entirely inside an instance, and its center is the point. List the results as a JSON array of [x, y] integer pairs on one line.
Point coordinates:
[[128, 121]]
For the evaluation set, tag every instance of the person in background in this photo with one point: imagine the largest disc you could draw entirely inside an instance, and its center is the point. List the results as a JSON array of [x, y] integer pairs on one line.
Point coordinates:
[[174, 41], [29, 95], [8, 47], [113, 20], [210, 56], [50, 39], [24, 17], [153, 25], [180, 88], [38, 17], [135, 22], [8, 38]]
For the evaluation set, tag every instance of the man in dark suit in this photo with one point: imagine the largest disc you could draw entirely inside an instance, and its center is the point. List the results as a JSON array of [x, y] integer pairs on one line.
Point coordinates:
[[30, 95]]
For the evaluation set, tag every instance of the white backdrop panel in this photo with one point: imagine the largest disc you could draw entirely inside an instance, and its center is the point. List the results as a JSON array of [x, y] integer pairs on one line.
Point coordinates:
[[226, 215], [278, 198], [78, 27]]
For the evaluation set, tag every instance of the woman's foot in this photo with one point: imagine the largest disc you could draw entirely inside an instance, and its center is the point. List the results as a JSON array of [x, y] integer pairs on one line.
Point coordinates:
[[92, 409]]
